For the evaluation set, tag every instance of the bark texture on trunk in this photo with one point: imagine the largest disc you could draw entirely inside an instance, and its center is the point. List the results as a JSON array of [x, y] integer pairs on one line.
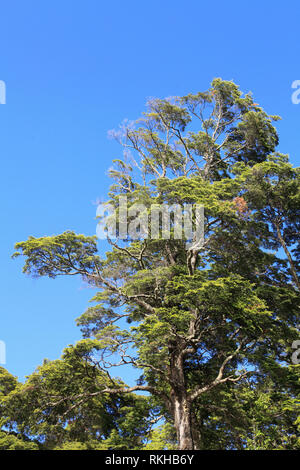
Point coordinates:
[[182, 419], [181, 405]]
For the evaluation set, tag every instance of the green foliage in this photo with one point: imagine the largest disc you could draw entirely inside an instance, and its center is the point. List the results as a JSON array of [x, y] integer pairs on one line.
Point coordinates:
[[162, 438], [65, 254], [11, 442], [61, 405]]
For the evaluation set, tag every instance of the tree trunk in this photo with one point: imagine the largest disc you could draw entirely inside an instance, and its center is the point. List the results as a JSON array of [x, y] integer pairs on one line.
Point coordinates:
[[182, 420], [181, 405]]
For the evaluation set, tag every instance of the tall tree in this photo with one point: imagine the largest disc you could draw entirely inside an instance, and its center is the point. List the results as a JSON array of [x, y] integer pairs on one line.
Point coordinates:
[[204, 317]]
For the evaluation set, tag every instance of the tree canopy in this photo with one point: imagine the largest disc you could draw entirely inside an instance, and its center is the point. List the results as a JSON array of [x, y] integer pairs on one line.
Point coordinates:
[[209, 327]]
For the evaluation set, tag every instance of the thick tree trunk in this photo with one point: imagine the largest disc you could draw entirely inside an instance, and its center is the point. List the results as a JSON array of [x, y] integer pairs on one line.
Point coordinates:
[[181, 405], [182, 420]]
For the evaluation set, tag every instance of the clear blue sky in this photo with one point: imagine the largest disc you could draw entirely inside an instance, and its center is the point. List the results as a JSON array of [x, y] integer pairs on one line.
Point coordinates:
[[73, 70]]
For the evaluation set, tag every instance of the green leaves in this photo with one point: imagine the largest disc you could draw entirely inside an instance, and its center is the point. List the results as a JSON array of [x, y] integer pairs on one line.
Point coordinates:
[[11, 442], [67, 253], [168, 115], [61, 406]]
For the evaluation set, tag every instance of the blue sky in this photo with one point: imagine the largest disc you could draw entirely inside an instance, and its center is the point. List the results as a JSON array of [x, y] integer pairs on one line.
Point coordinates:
[[73, 70]]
